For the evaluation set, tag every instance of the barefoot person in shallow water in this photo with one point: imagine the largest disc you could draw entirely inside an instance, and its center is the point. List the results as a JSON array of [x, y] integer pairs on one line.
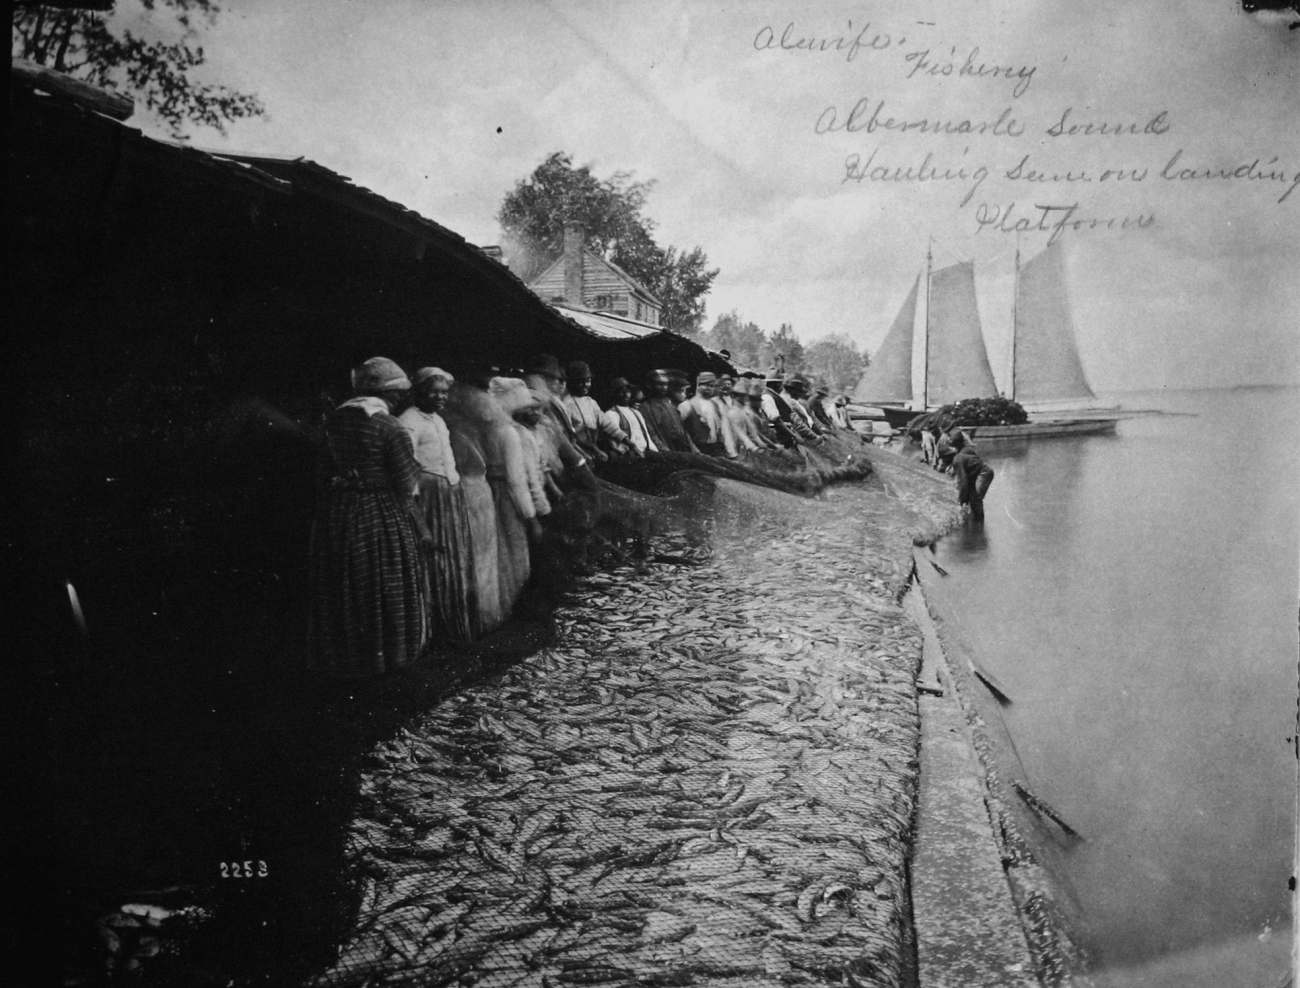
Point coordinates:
[[973, 474]]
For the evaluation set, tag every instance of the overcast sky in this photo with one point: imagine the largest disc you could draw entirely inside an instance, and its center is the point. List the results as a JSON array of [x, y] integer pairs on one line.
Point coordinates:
[[443, 106]]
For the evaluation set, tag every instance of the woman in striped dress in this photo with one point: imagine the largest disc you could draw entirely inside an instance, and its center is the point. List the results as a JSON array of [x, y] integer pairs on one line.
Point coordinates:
[[369, 586], [442, 505]]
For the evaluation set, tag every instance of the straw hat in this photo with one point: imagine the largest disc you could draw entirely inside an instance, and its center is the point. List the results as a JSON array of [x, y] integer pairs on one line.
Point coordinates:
[[512, 394]]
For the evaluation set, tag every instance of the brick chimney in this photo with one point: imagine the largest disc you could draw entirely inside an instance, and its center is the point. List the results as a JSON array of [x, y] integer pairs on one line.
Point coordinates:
[[574, 236]]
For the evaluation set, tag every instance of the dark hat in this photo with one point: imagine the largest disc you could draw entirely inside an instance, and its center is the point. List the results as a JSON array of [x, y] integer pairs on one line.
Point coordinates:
[[823, 390], [724, 354], [658, 375], [619, 382], [796, 381], [578, 369], [544, 363]]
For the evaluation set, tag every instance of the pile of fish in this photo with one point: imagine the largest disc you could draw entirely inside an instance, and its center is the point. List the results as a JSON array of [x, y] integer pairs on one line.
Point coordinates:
[[709, 780]]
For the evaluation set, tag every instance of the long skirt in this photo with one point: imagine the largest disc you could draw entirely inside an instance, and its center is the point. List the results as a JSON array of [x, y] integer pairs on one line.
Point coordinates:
[[480, 513], [369, 610], [512, 548], [451, 558]]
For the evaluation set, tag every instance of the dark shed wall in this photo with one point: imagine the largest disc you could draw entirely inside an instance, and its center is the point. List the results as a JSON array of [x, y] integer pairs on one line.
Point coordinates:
[[177, 325]]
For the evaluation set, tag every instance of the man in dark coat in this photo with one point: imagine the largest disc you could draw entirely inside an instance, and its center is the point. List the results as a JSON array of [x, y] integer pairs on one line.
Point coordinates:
[[973, 474], [661, 416]]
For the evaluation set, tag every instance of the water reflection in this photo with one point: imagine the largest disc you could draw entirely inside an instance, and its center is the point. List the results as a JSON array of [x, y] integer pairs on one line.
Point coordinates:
[[1135, 595], [971, 539]]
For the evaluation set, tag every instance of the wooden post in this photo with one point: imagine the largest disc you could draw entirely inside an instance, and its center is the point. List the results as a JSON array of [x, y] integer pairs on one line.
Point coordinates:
[[925, 362], [1015, 300]]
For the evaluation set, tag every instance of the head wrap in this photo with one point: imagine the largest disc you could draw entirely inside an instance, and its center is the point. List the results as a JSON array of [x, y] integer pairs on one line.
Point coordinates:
[[512, 394], [431, 374], [379, 374]]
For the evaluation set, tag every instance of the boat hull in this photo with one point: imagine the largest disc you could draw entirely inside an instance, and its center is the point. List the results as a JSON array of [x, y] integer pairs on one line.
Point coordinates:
[[1046, 429]]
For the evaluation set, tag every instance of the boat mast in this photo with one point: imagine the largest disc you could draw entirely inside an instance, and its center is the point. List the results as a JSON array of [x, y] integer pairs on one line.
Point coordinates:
[[925, 363], [1015, 300]]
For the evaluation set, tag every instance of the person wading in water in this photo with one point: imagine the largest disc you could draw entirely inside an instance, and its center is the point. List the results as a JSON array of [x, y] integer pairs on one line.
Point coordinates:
[[973, 474]]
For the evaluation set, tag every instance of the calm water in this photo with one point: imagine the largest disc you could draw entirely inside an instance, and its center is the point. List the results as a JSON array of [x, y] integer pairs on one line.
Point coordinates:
[[1136, 595]]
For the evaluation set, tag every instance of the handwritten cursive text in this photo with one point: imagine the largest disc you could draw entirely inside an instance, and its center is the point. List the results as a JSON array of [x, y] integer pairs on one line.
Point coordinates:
[[924, 64], [1248, 172], [863, 117], [857, 170], [1157, 125], [1055, 220], [849, 43]]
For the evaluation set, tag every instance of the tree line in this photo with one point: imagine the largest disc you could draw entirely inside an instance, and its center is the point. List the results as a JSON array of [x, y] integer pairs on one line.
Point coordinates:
[[833, 360], [612, 213]]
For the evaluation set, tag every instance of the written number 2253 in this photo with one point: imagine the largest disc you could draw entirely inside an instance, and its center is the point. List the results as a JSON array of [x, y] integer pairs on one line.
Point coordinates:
[[243, 869]]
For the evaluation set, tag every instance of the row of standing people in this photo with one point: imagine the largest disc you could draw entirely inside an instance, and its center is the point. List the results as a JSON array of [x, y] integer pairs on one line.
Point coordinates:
[[430, 495], [719, 416], [432, 491]]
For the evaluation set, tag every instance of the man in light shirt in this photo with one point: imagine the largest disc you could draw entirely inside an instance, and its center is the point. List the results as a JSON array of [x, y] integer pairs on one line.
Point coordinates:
[[703, 421], [622, 416], [585, 415]]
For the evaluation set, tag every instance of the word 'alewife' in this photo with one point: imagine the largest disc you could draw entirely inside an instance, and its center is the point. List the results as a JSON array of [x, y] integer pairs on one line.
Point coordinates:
[[851, 43]]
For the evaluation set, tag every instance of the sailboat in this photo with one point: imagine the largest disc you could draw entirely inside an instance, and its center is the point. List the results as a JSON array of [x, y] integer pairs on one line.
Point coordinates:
[[954, 362], [1045, 373]]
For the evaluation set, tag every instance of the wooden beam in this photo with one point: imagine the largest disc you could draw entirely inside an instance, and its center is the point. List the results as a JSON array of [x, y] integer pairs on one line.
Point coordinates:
[[84, 94], [67, 4]]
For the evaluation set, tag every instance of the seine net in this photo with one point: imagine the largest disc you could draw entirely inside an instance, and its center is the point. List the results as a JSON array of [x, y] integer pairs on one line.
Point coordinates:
[[709, 779]]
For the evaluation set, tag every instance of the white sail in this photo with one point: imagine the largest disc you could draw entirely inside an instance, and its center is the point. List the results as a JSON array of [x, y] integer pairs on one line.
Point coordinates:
[[1046, 366], [888, 378], [956, 362]]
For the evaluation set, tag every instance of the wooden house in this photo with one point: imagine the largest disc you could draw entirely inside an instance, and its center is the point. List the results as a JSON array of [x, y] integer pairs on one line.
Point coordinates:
[[182, 318], [582, 279]]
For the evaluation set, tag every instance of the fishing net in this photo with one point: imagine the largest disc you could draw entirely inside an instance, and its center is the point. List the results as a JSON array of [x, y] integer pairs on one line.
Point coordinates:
[[708, 779]]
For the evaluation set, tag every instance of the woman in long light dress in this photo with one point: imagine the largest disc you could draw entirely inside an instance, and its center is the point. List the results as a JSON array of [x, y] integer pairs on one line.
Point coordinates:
[[471, 414], [442, 505], [507, 473]]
